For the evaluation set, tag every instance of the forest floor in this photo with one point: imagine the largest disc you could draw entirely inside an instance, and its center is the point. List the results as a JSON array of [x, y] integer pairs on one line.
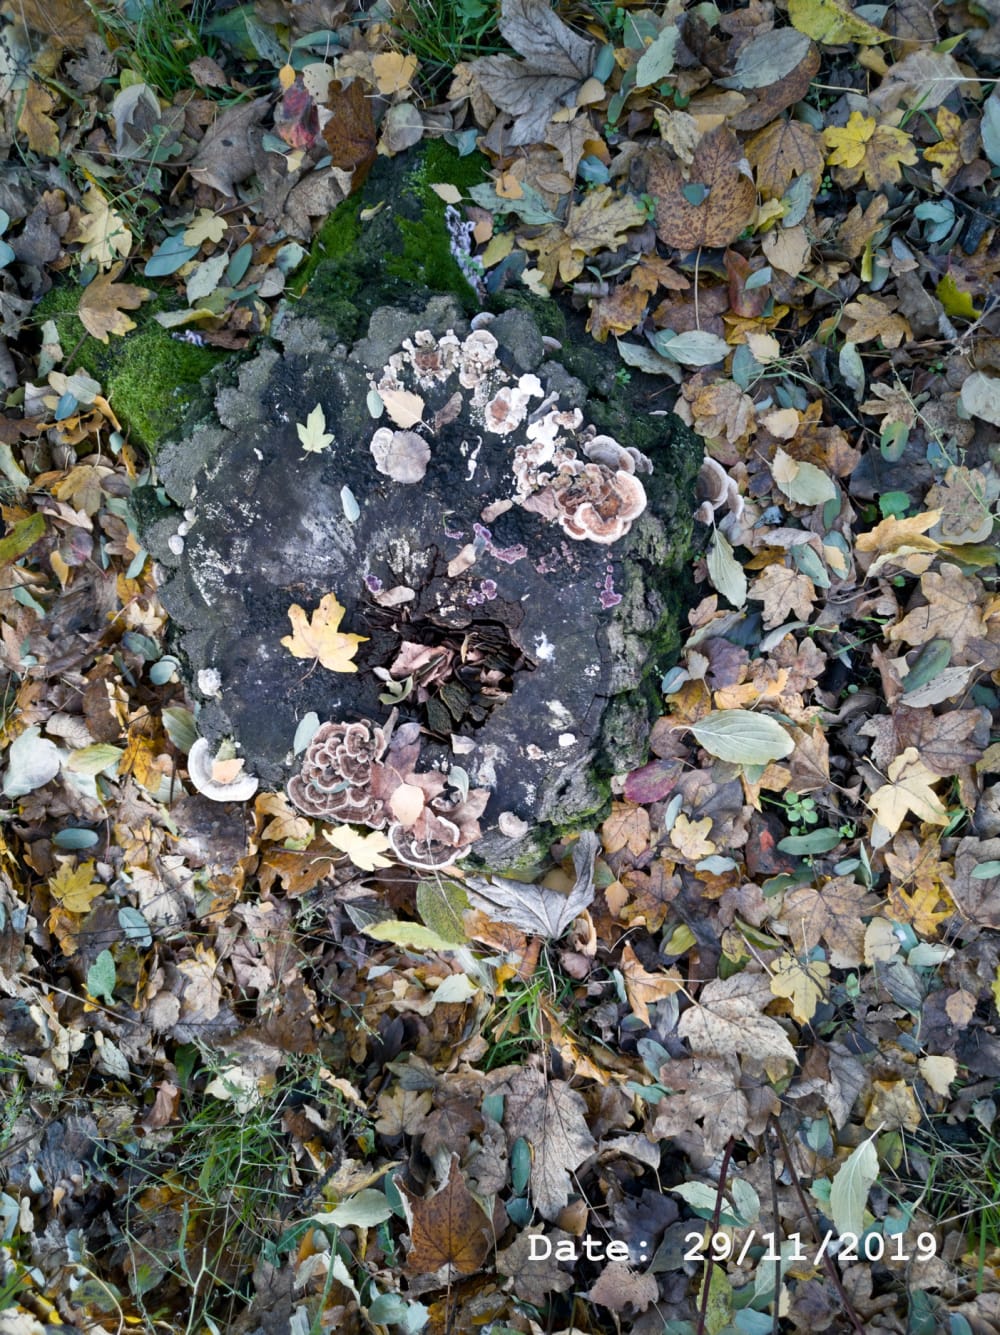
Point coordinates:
[[753, 1086]]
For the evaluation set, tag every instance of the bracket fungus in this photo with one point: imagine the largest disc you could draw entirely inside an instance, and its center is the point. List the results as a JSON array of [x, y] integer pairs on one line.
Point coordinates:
[[218, 780]]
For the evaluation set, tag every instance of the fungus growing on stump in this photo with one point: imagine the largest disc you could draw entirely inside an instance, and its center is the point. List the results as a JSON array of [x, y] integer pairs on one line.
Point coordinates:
[[506, 563]]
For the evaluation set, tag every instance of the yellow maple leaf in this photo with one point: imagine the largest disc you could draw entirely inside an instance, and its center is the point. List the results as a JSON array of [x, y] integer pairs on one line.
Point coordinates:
[[909, 790], [318, 637], [690, 837], [644, 988], [101, 230], [599, 222], [803, 984], [74, 887], [862, 147], [364, 850]]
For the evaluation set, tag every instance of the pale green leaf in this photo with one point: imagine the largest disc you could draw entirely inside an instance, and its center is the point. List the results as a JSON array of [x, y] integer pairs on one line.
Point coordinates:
[[409, 935], [695, 348], [101, 977], [725, 571], [742, 737], [366, 1209], [850, 1187], [980, 396], [206, 278], [314, 436], [95, 758], [657, 60], [802, 482]]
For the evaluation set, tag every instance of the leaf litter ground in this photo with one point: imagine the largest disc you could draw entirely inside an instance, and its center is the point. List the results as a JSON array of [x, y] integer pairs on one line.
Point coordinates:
[[257, 1079]]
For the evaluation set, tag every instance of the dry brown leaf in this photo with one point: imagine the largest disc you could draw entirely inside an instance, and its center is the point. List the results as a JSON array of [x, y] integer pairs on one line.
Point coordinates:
[[103, 303], [782, 152], [704, 1091], [643, 987], [727, 1019], [598, 222], [953, 610], [35, 122], [626, 827], [551, 1117], [805, 985], [448, 1229], [784, 593], [832, 914], [872, 318], [727, 206], [909, 790]]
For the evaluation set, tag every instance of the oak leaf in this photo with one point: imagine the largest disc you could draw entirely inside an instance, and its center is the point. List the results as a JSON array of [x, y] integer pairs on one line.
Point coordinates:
[[909, 790], [449, 1229], [318, 637], [104, 302], [729, 199]]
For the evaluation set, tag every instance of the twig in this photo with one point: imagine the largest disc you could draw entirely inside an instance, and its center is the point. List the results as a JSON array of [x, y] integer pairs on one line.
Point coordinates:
[[713, 1229], [828, 1265]]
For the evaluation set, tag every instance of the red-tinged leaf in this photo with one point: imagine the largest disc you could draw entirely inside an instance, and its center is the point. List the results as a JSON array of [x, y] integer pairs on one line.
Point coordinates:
[[653, 781], [296, 118]]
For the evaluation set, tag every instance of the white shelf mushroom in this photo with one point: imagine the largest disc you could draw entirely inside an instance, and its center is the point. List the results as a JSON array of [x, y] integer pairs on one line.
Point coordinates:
[[218, 780]]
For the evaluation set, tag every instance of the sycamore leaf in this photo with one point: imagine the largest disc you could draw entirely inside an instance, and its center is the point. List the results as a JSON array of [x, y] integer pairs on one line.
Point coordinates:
[[833, 22], [910, 789], [803, 984], [101, 231], [862, 147], [643, 988], [103, 304], [364, 850], [318, 637], [727, 1019], [74, 887], [35, 122], [314, 436], [599, 222], [784, 593]]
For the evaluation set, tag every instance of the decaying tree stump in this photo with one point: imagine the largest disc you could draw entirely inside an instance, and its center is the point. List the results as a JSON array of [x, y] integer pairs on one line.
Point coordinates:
[[510, 555]]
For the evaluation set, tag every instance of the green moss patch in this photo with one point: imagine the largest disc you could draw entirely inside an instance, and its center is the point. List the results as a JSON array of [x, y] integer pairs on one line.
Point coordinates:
[[400, 246], [150, 379]]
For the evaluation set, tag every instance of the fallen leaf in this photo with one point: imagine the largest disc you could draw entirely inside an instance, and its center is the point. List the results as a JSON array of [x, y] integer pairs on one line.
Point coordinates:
[[103, 304], [394, 71], [313, 434], [598, 222], [318, 637], [626, 827], [364, 850], [551, 1117], [74, 888], [909, 790], [404, 407], [644, 988], [35, 123], [533, 908], [864, 148], [953, 610], [728, 202], [833, 22], [727, 1019], [690, 837], [803, 984], [784, 593], [781, 153], [101, 232]]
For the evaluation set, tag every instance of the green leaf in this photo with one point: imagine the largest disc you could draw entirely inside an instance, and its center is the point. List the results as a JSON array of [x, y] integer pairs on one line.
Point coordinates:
[[179, 725], [816, 841], [32, 761], [768, 57], [23, 535], [802, 482], [95, 759], [366, 1209], [985, 871], [135, 927], [980, 396], [657, 60], [740, 736], [725, 571], [205, 278], [990, 127], [849, 1189], [101, 977], [695, 348], [409, 935], [441, 905]]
